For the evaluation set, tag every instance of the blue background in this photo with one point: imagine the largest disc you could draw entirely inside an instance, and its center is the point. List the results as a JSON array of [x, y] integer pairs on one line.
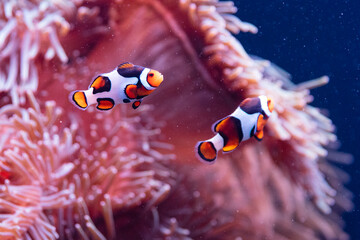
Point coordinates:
[[310, 39]]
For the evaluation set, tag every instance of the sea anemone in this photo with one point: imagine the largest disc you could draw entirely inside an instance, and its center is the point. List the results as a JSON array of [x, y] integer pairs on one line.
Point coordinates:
[[73, 174], [56, 178]]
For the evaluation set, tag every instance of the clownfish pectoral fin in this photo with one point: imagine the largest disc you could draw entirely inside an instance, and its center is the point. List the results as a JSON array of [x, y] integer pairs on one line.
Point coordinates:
[[206, 152], [79, 99], [259, 135], [105, 103], [260, 124], [131, 91], [136, 104]]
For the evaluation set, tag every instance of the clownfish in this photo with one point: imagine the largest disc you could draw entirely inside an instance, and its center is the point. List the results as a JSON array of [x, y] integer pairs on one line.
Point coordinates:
[[128, 83], [246, 121]]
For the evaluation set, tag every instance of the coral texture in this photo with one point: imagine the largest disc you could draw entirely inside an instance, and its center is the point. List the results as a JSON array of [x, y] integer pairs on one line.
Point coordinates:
[[126, 174]]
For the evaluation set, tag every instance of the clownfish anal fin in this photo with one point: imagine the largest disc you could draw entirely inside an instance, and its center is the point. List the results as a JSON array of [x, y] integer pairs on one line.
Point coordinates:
[[136, 104], [105, 103], [126, 65], [259, 135]]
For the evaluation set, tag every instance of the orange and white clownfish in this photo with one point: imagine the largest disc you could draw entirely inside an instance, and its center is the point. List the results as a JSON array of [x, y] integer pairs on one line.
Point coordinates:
[[246, 121], [128, 83]]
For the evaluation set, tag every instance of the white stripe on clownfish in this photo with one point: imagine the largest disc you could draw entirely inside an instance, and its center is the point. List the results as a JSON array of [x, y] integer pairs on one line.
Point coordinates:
[[264, 105], [143, 79]]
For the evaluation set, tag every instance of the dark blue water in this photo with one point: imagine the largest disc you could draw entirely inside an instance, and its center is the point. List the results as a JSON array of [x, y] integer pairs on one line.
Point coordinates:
[[310, 39]]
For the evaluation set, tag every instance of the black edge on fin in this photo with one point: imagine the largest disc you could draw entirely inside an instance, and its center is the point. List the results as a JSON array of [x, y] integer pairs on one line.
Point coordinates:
[[105, 99], [105, 88], [201, 157], [135, 106]]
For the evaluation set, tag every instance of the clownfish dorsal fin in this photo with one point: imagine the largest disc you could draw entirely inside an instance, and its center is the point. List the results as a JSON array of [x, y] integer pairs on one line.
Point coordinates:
[[126, 65], [101, 84]]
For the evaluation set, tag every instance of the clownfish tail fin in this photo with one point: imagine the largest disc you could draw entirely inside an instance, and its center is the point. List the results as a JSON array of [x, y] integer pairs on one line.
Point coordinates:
[[206, 151], [78, 98]]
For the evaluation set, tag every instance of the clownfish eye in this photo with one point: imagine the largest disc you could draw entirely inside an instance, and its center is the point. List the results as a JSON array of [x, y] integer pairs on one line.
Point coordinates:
[[151, 74]]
